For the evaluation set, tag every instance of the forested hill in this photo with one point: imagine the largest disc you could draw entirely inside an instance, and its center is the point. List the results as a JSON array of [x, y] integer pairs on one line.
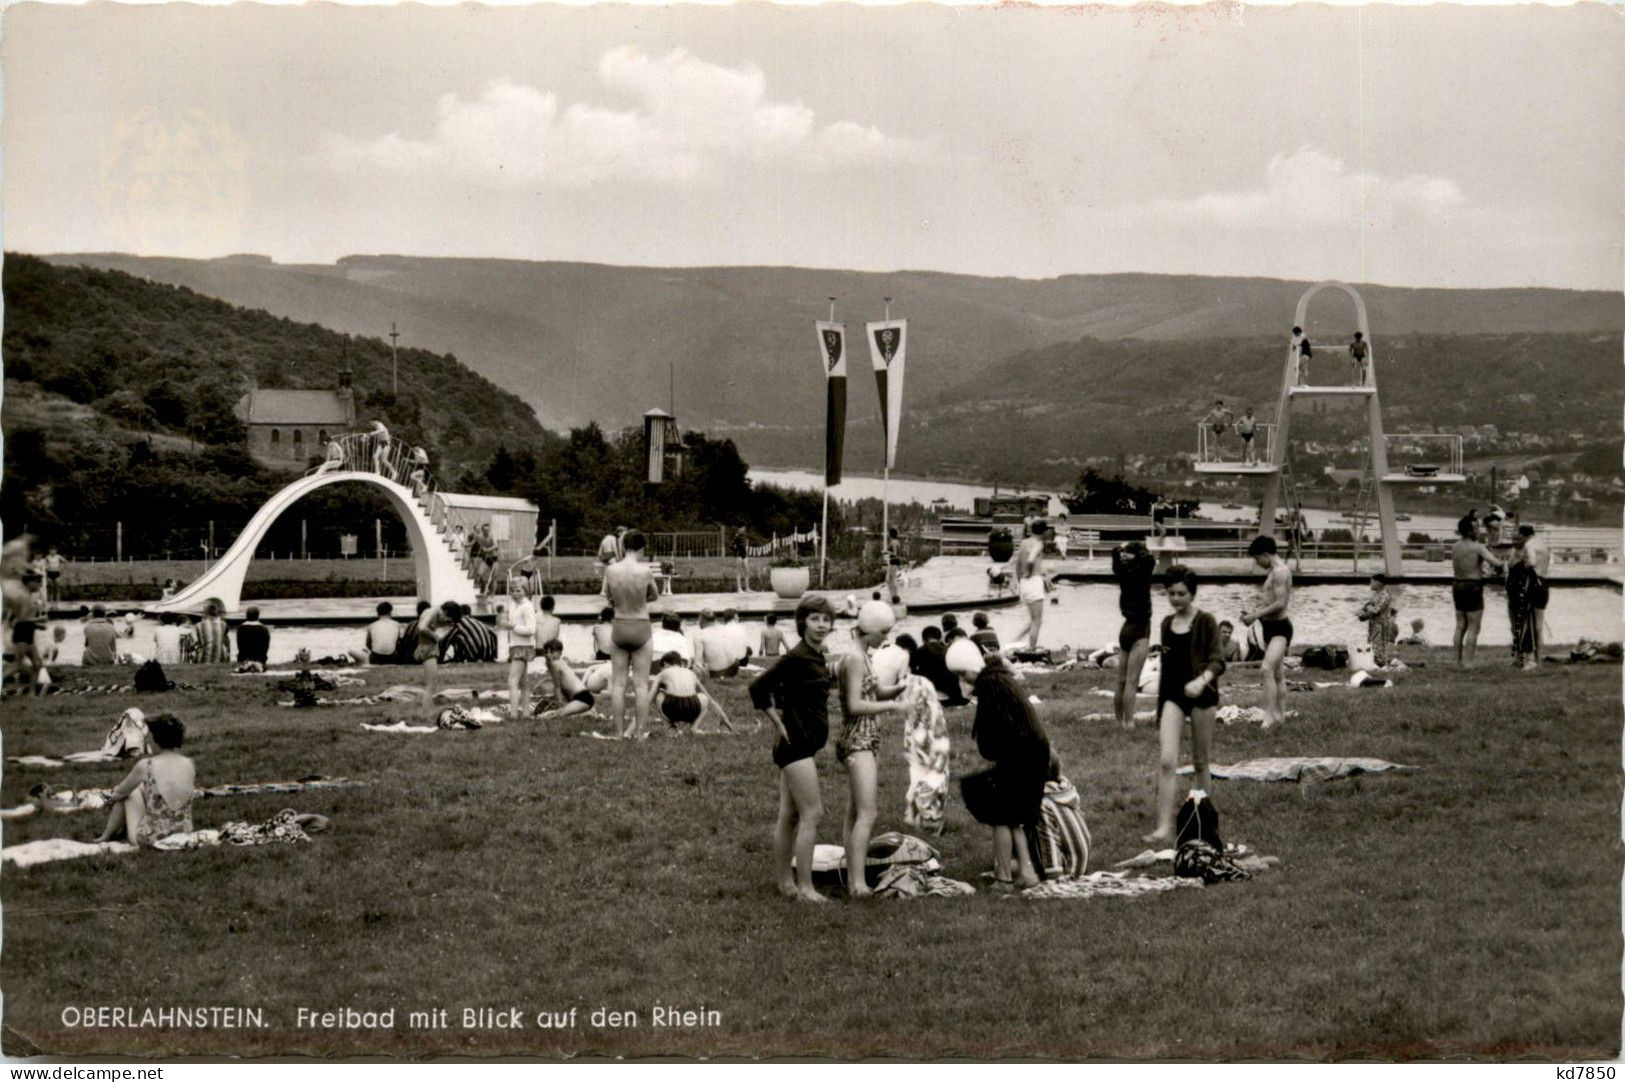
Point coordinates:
[[584, 342], [1042, 414], [159, 359]]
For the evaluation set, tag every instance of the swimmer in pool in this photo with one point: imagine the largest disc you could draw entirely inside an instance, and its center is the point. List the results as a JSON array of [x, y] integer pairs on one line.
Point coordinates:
[[629, 586]]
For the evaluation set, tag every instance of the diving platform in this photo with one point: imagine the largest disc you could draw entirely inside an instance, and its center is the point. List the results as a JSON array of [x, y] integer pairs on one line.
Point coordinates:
[[1217, 441], [1423, 458], [1424, 479], [1351, 390], [1247, 469]]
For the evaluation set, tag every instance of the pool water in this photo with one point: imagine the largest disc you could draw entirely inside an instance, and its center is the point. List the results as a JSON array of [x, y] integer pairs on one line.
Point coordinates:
[[1086, 616]]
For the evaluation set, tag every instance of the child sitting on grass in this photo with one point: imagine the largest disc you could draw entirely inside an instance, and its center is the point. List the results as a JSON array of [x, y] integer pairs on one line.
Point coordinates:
[[573, 696], [681, 698], [155, 799]]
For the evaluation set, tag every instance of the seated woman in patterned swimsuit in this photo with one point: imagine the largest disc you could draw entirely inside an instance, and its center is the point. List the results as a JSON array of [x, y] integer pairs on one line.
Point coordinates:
[[861, 706], [155, 799]]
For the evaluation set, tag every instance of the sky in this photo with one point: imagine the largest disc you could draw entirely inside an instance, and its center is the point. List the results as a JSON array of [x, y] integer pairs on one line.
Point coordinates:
[[1423, 146]]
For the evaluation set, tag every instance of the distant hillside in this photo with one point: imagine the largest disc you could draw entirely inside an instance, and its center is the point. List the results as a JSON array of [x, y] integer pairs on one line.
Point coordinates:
[[1037, 416], [162, 359], [580, 341]]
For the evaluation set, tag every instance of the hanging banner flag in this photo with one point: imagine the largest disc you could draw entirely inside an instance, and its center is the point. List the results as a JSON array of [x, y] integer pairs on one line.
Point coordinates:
[[886, 344], [832, 352]]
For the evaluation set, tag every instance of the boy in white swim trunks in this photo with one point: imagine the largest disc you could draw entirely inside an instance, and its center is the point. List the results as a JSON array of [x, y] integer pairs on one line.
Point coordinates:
[[1031, 585]]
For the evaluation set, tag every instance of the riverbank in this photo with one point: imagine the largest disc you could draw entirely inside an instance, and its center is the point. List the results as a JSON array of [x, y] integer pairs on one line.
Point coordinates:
[[1468, 909]]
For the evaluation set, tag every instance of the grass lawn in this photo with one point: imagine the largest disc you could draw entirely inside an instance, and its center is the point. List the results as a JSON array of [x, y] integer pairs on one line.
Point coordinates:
[[1469, 909]]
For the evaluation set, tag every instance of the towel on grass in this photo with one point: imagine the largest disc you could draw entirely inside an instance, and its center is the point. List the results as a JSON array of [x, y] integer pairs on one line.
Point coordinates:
[[47, 850], [479, 695], [1231, 714], [452, 717], [1240, 854], [111, 689], [285, 827], [66, 801], [331, 674], [1139, 715], [1324, 768], [1107, 885]]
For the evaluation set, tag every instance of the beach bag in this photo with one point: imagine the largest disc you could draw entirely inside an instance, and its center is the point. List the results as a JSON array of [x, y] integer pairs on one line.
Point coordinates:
[[1198, 821], [1059, 841], [150, 677], [1325, 657], [1361, 657]]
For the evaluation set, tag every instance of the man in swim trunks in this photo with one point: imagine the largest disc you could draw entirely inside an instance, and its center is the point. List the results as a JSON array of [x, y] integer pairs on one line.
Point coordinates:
[[772, 638], [573, 696], [717, 651], [1358, 351], [1218, 419], [1305, 352], [1539, 558], [1134, 567], [601, 631], [54, 563], [1270, 613], [629, 586], [1247, 428], [681, 698], [740, 547], [1031, 584], [1467, 558]]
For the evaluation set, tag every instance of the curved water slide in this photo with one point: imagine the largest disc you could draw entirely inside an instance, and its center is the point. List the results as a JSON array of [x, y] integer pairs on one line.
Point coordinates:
[[439, 575]]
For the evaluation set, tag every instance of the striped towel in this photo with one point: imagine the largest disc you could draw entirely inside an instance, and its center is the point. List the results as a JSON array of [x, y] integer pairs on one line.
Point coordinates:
[[1060, 842]]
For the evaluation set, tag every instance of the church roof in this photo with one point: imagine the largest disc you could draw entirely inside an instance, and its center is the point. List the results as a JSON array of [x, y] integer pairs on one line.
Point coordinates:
[[280, 407]]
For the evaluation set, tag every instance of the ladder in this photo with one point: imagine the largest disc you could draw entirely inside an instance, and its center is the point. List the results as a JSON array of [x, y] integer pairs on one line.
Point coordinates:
[[1289, 493], [1363, 513]]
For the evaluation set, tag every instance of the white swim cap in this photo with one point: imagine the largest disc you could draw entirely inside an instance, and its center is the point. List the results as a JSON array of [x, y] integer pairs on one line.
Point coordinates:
[[890, 665], [875, 616], [964, 659]]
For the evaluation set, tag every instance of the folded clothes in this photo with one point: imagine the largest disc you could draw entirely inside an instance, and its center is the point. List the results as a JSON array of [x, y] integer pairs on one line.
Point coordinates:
[[1323, 768], [127, 737]]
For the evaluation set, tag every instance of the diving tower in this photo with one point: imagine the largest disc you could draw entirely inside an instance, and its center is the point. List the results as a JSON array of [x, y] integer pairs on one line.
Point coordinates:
[[1402, 459]]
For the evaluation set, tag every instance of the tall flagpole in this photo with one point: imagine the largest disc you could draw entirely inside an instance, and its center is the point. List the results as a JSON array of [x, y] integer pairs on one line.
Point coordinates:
[[885, 479], [823, 530]]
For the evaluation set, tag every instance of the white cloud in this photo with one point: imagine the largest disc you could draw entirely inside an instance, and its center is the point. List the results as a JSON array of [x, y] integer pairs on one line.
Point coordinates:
[[687, 120], [1311, 189]]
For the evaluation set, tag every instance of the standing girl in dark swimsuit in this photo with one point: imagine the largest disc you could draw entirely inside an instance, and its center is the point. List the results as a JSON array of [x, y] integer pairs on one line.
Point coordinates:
[[794, 695], [1191, 665]]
